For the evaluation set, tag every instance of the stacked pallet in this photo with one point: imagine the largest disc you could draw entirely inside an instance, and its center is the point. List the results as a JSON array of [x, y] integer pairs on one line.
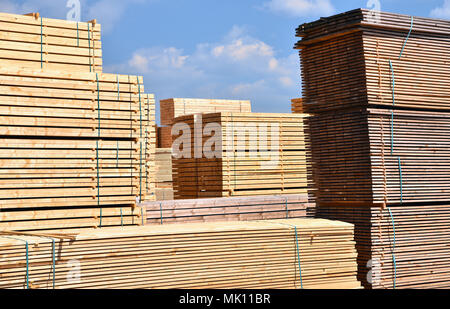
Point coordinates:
[[163, 175], [378, 141], [43, 43], [173, 108], [246, 208], [297, 106], [295, 253], [238, 154]]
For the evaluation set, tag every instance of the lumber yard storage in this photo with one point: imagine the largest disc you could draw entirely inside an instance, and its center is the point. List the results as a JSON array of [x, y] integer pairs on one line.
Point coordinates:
[[377, 140], [77, 184]]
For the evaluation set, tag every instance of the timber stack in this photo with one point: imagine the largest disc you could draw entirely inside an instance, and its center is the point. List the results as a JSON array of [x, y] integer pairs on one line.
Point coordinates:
[[239, 154], [288, 254], [74, 140], [376, 86], [163, 175], [173, 108]]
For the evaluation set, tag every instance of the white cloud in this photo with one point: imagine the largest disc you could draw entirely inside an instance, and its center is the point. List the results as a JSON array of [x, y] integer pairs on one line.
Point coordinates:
[[442, 11], [300, 8], [237, 67]]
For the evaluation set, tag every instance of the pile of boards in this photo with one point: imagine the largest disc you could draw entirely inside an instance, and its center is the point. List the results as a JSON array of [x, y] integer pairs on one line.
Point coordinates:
[[163, 174], [177, 107], [238, 154], [297, 105], [75, 144], [376, 87], [294, 253], [42, 43], [229, 209]]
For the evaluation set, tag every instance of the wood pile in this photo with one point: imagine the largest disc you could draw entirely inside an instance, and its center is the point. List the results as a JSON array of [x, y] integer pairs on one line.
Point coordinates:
[[229, 209], [378, 139], [176, 107], [43, 43], [76, 146], [239, 154], [163, 175], [297, 106], [289, 254]]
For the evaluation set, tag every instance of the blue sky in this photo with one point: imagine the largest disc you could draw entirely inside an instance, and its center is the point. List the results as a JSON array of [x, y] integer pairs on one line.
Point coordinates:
[[236, 49]]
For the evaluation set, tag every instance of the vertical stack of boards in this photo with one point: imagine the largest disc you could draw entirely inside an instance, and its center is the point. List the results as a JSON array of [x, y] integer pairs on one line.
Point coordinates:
[[239, 154], [176, 107], [376, 87], [294, 253], [76, 143]]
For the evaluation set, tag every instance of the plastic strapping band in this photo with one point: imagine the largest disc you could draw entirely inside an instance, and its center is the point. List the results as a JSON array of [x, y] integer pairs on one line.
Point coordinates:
[[394, 261], [401, 179], [42, 50], [298, 258], [142, 215], [98, 164], [140, 153], [161, 212], [407, 37], [121, 217], [89, 39]]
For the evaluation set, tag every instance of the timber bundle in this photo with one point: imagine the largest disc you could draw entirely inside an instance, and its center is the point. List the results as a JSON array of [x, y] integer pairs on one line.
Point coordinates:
[[376, 86], [251, 154], [294, 253], [76, 143]]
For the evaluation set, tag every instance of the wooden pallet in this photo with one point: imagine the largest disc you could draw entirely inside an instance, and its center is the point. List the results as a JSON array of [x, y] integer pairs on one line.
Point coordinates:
[[264, 254], [278, 168], [229, 209], [173, 108], [42, 43]]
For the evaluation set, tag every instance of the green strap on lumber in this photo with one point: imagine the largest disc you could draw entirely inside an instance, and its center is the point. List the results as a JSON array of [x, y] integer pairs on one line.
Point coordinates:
[[394, 261], [42, 48], [97, 150], [407, 37], [298, 258], [161, 212]]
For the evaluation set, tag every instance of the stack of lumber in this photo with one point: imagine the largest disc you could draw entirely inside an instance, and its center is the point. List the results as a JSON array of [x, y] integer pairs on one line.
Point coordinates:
[[378, 138], [297, 106], [73, 149], [176, 107], [149, 159], [290, 254], [419, 243], [229, 209], [250, 154], [163, 175], [346, 62], [165, 137], [43, 43]]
